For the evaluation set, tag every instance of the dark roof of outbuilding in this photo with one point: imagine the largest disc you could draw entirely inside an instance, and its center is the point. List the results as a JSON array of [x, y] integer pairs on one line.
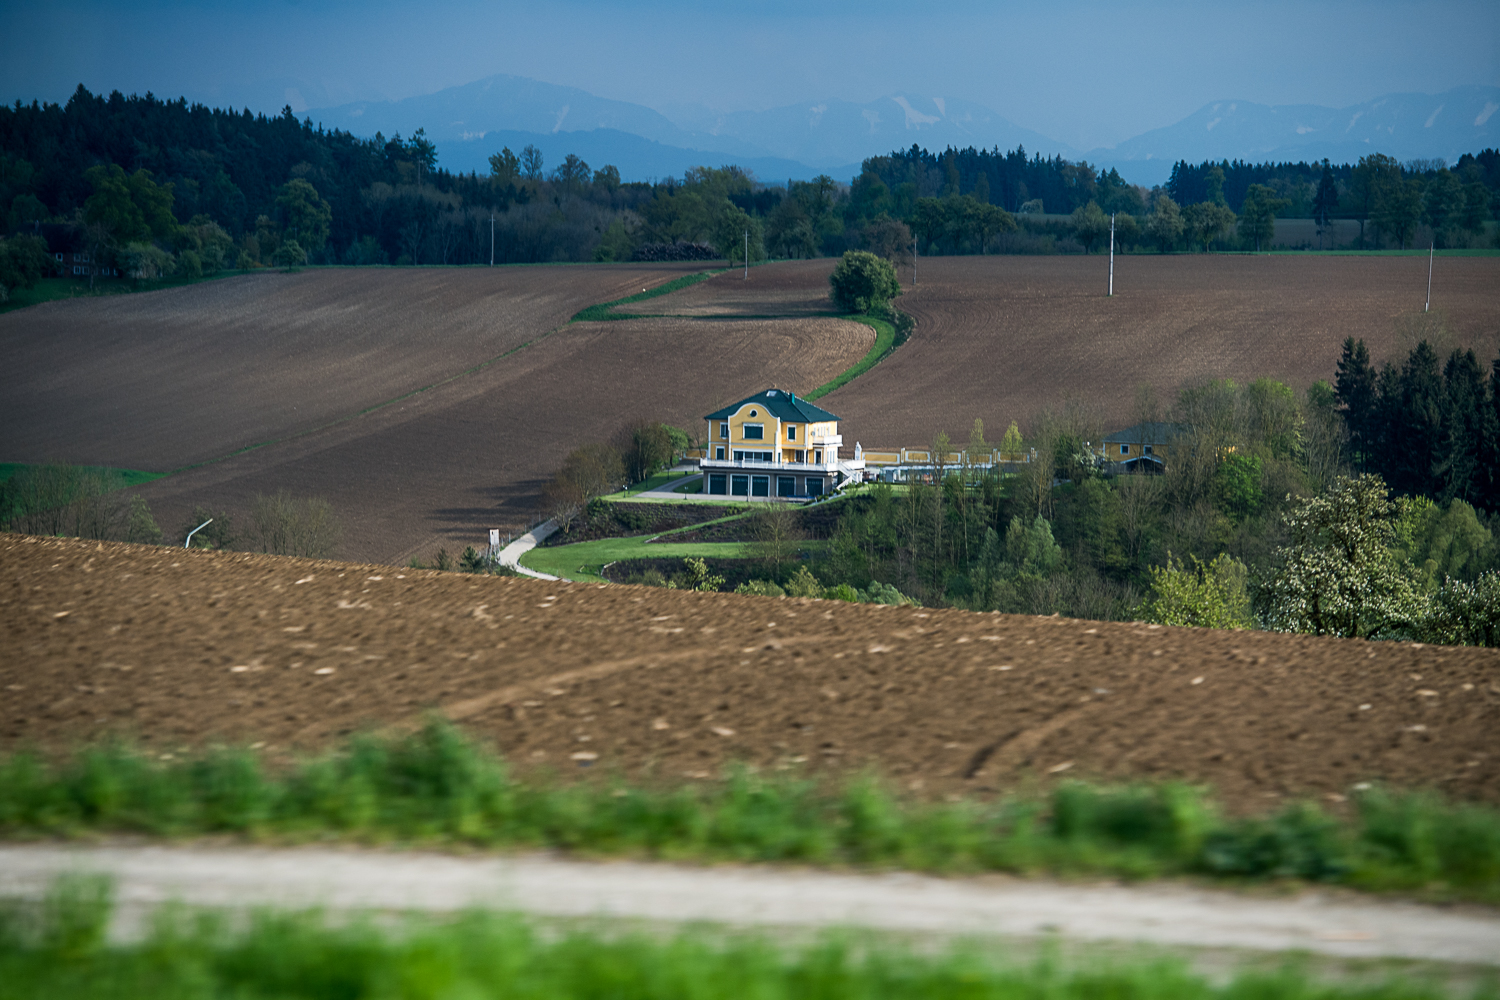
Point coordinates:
[[1147, 433], [779, 403]]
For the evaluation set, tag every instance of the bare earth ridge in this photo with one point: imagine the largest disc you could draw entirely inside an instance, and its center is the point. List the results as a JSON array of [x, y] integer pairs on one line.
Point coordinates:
[[181, 647]]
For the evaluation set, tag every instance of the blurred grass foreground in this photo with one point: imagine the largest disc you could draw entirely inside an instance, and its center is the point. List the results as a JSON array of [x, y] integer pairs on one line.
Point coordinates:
[[61, 949], [438, 786]]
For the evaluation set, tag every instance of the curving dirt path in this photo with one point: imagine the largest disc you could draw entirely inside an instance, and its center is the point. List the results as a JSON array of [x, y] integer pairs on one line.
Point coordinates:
[[1171, 915]]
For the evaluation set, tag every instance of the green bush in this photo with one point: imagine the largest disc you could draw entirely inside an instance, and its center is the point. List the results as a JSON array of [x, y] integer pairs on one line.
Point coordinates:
[[842, 592], [760, 588], [1208, 596], [864, 283], [804, 584], [885, 593]]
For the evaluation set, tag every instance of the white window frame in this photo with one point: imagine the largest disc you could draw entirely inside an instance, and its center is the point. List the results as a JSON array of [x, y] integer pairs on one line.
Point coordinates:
[[791, 432], [758, 437]]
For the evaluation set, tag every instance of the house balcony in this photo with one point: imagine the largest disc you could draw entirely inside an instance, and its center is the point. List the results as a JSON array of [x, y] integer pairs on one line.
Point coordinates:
[[812, 468]]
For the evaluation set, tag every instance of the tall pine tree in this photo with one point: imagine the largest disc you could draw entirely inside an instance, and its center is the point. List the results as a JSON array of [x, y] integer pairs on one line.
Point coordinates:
[[1456, 465], [1355, 388]]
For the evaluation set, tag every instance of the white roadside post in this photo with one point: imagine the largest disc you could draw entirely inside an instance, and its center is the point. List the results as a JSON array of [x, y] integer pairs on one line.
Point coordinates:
[[1430, 251], [494, 544], [188, 540], [1111, 255]]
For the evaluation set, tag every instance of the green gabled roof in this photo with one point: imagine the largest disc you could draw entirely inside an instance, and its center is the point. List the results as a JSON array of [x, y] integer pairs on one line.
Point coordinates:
[[1147, 433], [779, 403]]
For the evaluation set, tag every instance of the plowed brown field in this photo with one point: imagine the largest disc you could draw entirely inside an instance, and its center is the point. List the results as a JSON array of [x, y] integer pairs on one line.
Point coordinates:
[[169, 379], [785, 288], [166, 379], [442, 467], [1002, 338], [181, 647]]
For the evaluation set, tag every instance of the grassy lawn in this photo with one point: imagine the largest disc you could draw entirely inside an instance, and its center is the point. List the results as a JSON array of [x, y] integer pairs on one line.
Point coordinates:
[[123, 477], [691, 486], [586, 560], [655, 482]]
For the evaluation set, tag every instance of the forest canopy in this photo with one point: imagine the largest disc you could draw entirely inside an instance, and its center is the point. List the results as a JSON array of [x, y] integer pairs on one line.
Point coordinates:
[[156, 185]]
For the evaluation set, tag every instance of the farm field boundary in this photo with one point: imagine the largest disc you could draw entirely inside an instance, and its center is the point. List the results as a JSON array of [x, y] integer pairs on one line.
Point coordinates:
[[63, 289], [121, 478]]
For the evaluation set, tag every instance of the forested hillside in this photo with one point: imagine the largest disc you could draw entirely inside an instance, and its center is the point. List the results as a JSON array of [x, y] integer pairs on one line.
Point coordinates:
[[151, 187]]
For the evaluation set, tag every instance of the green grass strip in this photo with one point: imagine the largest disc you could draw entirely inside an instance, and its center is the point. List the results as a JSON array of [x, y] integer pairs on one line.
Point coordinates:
[[62, 949], [121, 478], [586, 560], [605, 310], [436, 786], [885, 342]]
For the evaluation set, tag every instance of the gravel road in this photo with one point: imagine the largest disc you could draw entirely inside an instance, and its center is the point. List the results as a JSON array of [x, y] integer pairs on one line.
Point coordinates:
[[1172, 915]]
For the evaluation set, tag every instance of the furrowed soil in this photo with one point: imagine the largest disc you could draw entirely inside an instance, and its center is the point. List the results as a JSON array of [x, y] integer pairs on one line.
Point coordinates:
[[1002, 338], [182, 647], [441, 467], [294, 362], [784, 288], [165, 379]]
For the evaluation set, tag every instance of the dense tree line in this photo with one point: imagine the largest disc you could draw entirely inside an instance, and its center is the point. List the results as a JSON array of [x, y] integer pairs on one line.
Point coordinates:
[[151, 186], [1429, 427], [1261, 517]]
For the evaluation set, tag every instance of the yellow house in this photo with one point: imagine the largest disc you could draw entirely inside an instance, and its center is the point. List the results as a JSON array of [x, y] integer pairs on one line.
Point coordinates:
[[774, 444], [1140, 448]]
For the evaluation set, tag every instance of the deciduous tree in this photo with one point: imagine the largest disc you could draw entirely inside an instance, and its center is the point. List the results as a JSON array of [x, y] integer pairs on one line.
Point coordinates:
[[1090, 225], [863, 283], [1207, 221], [1257, 221], [1165, 225]]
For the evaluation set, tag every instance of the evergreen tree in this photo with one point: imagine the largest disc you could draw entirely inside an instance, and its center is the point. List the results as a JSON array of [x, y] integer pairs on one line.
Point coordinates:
[[1355, 389], [1325, 201], [1465, 427], [1416, 427]]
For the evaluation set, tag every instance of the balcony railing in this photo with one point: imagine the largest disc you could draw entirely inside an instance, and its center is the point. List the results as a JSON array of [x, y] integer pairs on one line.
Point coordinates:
[[730, 463]]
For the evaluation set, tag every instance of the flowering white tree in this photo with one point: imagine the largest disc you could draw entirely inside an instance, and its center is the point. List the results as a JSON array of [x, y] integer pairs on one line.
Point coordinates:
[[1339, 575]]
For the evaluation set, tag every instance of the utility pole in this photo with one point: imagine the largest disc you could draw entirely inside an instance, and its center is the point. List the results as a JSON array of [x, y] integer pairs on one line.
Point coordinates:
[[492, 239], [1430, 251], [747, 255], [1111, 255], [913, 262]]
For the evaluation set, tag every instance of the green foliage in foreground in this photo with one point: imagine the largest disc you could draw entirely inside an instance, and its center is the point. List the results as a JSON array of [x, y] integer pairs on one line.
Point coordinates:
[[438, 786], [58, 950]]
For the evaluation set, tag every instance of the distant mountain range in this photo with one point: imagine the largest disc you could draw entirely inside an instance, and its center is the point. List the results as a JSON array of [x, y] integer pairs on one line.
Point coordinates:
[[470, 122], [1406, 126]]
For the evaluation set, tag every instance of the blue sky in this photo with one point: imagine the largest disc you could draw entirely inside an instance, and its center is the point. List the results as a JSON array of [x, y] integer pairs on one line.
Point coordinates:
[[1088, 74]]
